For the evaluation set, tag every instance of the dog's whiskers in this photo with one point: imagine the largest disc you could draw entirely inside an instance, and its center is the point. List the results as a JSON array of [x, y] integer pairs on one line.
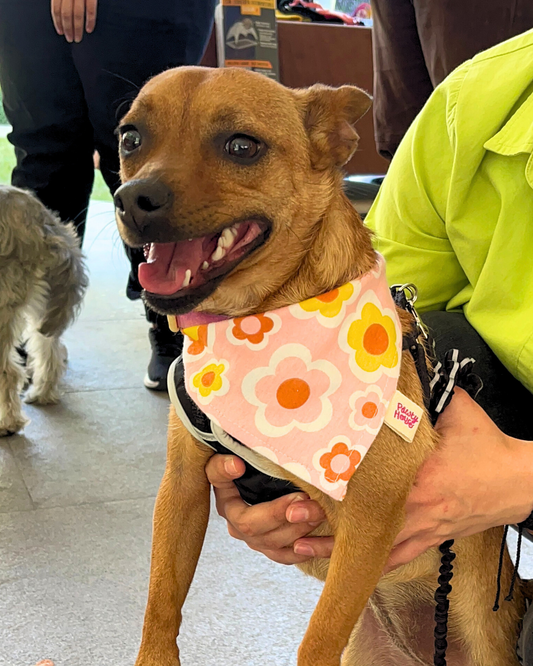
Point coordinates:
[[104, 228]]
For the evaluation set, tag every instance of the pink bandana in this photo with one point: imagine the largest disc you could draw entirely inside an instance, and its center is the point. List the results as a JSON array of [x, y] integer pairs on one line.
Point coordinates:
[[307, 386]]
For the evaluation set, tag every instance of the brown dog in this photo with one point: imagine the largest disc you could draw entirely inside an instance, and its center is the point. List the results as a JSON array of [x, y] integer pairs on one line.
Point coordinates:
[[200, 150]]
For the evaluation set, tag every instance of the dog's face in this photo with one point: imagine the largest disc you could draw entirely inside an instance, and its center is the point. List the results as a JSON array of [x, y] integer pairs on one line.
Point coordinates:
[[225, 173]]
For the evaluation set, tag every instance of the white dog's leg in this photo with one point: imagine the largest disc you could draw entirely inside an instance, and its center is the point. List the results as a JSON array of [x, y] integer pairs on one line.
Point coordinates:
[[11, 375], [47, 358]]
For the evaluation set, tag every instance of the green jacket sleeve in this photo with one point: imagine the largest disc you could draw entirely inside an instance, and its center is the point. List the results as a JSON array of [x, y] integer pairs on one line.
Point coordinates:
[[408, 216]]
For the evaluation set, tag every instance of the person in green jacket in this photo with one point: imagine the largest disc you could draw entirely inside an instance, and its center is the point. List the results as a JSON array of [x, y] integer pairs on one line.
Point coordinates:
[[455, 217]]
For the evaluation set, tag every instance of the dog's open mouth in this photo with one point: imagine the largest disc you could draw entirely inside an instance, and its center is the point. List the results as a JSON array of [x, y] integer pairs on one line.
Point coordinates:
[[185, 272]]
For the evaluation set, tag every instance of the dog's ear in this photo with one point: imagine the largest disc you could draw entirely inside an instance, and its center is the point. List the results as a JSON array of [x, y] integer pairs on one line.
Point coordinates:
[[329, 116]]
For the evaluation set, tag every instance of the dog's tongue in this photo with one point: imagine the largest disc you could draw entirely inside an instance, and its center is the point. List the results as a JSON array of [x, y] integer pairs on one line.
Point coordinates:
[[166, 270], [188, 264]]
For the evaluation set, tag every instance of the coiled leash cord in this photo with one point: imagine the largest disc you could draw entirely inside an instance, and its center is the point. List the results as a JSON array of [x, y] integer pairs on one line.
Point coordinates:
[[443, 603], [451, 373], [438, 393]]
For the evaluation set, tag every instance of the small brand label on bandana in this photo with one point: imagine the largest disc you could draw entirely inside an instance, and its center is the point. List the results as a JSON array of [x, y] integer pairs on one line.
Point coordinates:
[[403, 416]]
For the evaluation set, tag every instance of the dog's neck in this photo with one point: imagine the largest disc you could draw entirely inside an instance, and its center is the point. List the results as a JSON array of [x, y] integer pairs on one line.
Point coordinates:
[[340, 250]]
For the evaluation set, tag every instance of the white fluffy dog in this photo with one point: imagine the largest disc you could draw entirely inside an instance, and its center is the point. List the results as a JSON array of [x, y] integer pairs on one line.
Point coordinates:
[[42, 283]]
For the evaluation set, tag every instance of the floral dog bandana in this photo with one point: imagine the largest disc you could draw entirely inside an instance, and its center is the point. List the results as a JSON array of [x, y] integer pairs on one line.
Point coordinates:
[[307, 386]]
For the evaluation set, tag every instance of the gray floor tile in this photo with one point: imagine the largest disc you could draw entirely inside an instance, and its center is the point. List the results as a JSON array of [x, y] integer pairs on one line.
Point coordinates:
[[14, 495], [106, 355], [74, 584], [89, 540], [93, 447]]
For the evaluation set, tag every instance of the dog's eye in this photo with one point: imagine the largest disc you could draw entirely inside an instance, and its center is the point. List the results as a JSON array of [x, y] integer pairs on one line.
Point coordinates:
[[243, 147], [131, 140]]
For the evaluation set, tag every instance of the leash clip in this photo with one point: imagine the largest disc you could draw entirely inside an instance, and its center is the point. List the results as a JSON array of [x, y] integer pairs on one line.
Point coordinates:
[[408, 293]]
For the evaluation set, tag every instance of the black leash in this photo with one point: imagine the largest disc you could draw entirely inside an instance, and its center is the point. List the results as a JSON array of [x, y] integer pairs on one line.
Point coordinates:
[[438, 392], [442, 603]]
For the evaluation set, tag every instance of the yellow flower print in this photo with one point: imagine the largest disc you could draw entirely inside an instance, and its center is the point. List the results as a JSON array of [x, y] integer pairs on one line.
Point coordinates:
[[209, 379], [373, 337], [330, 304]]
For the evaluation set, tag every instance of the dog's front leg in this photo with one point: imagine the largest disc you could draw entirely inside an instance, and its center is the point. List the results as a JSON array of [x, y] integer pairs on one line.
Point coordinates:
[[365, 529], [180, 521]]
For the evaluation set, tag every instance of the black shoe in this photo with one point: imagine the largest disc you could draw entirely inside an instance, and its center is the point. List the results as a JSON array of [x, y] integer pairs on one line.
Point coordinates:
[[166, 346]]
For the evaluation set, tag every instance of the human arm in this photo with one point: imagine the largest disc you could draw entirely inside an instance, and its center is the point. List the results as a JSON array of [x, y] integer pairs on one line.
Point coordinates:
[[72, 17], [477, 479], [409, 214]]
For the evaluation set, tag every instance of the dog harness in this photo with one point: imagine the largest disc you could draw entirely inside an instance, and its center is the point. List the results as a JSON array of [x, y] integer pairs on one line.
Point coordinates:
[[306, 386]]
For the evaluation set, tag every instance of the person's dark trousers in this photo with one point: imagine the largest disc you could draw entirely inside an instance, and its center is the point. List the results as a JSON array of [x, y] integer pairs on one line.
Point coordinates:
[[417, 43], [64, 100]]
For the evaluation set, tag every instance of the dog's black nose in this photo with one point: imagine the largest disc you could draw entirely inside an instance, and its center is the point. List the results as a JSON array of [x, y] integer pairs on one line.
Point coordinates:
[[140, 202]]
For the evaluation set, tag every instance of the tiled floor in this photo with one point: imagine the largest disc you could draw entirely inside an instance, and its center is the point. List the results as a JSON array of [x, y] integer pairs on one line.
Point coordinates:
[[76, 498]]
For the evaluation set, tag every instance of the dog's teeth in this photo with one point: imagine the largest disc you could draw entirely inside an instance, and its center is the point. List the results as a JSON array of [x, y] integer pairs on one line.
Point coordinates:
[[205, 265], [235, 228], [187, 278], [227, 238], [218, 253], [151, 253]]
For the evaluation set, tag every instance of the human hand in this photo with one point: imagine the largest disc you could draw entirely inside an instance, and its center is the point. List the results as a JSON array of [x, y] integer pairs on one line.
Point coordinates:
[[273, 528], [70, 17], [477, 479]]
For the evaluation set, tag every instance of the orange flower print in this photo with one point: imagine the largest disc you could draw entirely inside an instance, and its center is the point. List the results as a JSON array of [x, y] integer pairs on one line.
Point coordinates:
[[198, 337], [291, 392], [340, 463], [252, 328], [368, 410]]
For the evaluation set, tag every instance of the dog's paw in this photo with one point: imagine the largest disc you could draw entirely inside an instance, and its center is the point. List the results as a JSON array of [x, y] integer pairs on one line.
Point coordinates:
[[12, 425], [41, 397]]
